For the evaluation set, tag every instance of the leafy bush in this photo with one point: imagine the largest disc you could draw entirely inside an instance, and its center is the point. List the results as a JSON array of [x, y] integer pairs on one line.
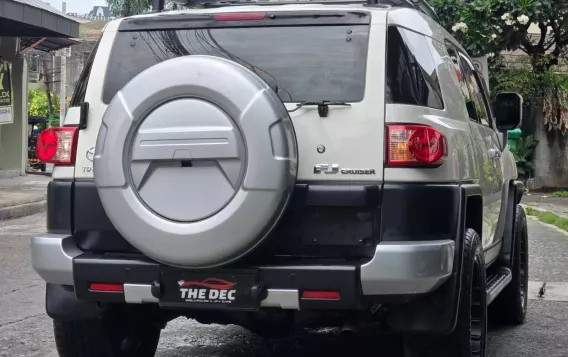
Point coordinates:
[[560, 194], [38, 106], [548, 89], [523, 152]]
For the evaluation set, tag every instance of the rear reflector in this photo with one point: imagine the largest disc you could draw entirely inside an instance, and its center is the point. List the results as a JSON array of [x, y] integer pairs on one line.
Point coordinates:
[[415, 145], [117, 288], [321, 295], [240, 16], [57, 145]]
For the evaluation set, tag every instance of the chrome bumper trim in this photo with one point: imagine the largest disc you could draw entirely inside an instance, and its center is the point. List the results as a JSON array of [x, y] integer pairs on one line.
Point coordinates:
[[52, 257], [397, 268], [401, 268], [283, 299], [139, 294]]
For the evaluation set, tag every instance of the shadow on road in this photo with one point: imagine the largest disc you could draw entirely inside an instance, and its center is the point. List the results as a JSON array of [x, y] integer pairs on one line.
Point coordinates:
[[308, 343]]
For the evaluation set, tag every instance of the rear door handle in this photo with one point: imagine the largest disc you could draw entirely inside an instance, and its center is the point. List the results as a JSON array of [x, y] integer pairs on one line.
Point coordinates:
[[494, 154]]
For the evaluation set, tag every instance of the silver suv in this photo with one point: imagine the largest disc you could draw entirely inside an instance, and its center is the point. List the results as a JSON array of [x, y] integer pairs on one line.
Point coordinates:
[[276, 165]]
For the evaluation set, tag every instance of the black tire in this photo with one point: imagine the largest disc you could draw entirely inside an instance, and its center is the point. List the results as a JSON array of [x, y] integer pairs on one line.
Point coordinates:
[[510, 307], [109, 337], [469, 339]]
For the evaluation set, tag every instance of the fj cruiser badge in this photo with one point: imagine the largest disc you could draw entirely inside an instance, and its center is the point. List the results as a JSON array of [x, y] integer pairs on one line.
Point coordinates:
[[334, 169]]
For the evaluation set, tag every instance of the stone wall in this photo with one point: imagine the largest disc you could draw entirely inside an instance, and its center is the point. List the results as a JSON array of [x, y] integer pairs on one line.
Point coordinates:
[[551, 155]]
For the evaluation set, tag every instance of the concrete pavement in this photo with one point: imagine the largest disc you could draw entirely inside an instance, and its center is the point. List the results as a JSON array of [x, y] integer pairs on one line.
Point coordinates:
[[22, 196], [25, 330], [545, 202]]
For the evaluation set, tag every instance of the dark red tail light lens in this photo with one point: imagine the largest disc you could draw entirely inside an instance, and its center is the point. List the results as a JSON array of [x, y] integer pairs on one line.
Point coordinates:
[[321, 295], [111, 288], [240, 16], [415, 145], [57, 145]]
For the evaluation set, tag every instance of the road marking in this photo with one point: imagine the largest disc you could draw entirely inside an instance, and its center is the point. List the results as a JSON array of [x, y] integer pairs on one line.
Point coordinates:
[[554, 291]]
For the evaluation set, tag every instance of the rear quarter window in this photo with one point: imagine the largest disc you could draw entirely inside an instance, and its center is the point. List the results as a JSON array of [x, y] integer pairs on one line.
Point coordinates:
[[412, 76]]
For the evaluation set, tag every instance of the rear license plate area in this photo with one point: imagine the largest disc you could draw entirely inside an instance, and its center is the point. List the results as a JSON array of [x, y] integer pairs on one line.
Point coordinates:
[[210, 289]]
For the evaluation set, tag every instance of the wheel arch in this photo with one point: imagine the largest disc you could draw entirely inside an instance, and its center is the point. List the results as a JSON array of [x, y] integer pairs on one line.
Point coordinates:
[[473, 208], [516, 191]]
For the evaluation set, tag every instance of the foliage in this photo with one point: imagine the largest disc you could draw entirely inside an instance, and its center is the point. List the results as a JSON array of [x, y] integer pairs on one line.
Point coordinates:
[[487, 27], [560, 194], [123, 8], [523, 152], [548, 217], [548, 89], [38, 106]]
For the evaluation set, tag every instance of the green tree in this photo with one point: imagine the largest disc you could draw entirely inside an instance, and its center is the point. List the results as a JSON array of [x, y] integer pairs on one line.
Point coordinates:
[[123, 8], [487, 27], [38, 106]]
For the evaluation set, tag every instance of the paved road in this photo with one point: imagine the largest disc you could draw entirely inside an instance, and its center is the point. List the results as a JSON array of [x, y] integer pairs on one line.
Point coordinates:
[[26, 331]]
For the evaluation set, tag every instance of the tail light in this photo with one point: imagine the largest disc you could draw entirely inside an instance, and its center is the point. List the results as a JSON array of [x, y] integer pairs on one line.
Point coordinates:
[[57, 145], [321, 295], [101, 287], [415, 145], [240, 16]]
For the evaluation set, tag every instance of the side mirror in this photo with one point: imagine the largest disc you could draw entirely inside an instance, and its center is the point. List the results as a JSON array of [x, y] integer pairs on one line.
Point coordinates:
[[508, 111]]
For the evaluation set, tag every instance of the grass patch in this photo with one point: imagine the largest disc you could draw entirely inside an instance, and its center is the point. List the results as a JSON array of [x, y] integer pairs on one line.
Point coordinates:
[[560, 194], [548, 218], [531, 211]]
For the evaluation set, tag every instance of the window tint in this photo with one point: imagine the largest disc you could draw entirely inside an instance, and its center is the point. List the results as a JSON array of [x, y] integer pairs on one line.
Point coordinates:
[[477, 98], [459, 72], [411, 71], [483, 85], [301, 63], [81, 87]]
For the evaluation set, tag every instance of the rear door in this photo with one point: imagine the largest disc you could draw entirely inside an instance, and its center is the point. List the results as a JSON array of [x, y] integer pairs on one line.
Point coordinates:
[[488, 147], [305, 56]]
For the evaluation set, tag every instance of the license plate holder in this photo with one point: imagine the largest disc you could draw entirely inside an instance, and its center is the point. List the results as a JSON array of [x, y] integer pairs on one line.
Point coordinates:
[[210, 289]]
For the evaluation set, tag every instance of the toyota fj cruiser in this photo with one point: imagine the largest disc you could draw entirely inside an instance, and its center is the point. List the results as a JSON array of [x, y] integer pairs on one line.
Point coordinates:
[[275, 165]]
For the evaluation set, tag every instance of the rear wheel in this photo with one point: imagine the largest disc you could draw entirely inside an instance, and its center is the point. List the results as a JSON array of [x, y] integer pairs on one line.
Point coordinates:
[[469, 338], [112, 336], [510, 307]]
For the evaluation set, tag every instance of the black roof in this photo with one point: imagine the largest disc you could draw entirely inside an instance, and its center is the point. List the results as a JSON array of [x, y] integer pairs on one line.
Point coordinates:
[[33, 20]]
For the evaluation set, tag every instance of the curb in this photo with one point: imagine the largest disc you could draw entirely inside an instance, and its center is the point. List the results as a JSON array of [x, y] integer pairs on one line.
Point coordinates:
[[542, 210], [23, 210]]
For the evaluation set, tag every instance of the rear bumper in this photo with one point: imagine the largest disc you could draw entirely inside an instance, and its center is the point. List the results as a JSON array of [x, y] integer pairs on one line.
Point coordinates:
[[397, 268]]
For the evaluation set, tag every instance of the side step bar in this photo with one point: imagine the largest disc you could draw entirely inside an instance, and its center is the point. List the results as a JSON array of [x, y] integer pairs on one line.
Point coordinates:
[[496, 282]]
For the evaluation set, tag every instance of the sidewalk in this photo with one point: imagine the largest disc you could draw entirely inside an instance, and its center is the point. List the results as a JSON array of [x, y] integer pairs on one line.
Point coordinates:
[[23, 195], [545, 202]]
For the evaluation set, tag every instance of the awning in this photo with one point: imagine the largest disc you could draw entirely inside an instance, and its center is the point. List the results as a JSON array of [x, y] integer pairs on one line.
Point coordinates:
[[46, 44], [33, 20]]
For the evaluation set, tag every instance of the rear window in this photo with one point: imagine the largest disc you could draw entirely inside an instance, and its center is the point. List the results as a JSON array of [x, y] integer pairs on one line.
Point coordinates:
[[411, 70], [301, 63]]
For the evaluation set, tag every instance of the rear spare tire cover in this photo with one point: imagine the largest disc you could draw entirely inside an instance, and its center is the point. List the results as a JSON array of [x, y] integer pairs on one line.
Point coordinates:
[[195, 161]]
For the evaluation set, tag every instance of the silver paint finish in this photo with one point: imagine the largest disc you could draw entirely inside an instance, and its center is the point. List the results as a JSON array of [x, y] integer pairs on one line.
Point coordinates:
[[139, 294], [203, 224], [282, 298], [52, 257], [408, 267]]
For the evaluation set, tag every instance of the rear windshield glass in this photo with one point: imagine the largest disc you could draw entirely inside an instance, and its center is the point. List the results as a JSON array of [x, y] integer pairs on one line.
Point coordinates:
[[307, 63]]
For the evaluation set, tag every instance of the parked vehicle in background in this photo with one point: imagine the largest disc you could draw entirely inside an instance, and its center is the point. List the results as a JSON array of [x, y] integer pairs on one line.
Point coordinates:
[[35, 126]]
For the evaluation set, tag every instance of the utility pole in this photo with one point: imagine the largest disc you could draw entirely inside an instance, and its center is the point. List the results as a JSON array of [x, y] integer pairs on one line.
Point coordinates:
[[63, 85], [159, 5]]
